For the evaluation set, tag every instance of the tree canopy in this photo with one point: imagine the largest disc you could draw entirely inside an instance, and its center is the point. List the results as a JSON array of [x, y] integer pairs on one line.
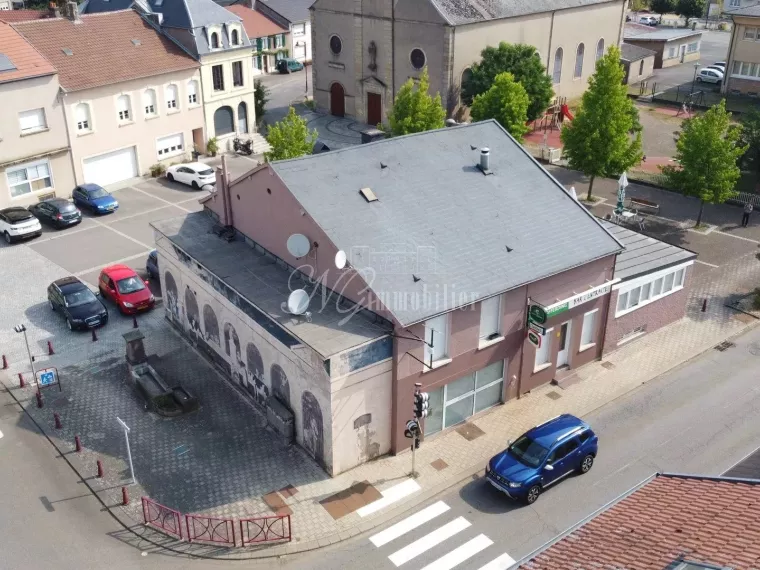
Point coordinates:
[[415, 110], [690, 9], [662, 6], [290, 138], [604, 139], [707, 151], [525, 65], [507, 102]]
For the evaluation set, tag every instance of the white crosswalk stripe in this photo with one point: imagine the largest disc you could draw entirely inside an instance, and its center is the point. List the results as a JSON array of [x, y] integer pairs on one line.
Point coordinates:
[[459, 555], [503, 562], [390, 496], [429, 541], [409, 523]]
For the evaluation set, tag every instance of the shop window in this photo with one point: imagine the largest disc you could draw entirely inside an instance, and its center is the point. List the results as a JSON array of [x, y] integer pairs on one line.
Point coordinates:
[[543, 354], [490, 319], [650, 291], [589, 329], [29, 178]]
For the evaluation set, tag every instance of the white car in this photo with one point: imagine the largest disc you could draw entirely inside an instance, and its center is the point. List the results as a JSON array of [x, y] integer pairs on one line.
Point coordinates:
[[195, 174], [649, 20], [18, 223], [708, 75]]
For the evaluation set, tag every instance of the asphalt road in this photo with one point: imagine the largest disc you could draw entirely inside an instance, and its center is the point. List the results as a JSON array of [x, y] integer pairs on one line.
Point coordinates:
[[284, 90]]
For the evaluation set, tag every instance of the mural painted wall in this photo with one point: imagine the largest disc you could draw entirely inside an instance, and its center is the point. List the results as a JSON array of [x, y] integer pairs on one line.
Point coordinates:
[[258, 363]]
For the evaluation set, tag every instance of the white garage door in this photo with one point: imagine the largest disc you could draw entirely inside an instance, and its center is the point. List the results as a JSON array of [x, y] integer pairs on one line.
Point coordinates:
[[111, 167]]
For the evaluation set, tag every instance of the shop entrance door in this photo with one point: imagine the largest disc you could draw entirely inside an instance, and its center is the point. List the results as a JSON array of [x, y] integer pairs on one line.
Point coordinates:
[[563, 356]]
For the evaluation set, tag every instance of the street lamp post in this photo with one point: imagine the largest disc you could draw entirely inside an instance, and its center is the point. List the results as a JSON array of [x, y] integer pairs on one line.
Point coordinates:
[[696, 67], [125, 427], [306, 75], [22, 329]]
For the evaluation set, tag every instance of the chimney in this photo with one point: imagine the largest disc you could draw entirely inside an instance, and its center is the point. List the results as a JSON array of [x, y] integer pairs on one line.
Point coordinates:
[[485, 160], [72, 12], [53, 10]]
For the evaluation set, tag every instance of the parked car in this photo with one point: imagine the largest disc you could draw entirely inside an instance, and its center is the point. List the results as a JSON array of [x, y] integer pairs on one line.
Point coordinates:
[[18, 223], [543, 456], [717, 68], [649, 20], [151, 264], [720, 63], [58, 212], [707, 75], [126, 289], [289, 65], [81, 308], [195, 174], [95, 198]]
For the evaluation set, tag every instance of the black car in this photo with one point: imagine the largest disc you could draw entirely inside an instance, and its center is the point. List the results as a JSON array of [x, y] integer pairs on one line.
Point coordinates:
[[77, 303], [58, 212]]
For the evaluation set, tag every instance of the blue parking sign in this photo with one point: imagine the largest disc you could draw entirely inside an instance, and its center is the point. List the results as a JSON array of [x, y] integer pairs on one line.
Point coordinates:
[[47, 377]]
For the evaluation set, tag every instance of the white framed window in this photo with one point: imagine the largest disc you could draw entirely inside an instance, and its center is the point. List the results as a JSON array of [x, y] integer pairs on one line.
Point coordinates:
[[678, 282], [543, 352], [170, 93], [745, 69], [671, 52], [124, 108], [668, 285], [692, 47], [28, 178], [83, 118], [172, 145], [750, 33], [298, 29], [214, 40], [31, 121], [490, 319], [235, 38], [588, 330], [192, 92], [279, 40], [149, 103], [735, 3], [651, 288], [579, 53], [437, 335]]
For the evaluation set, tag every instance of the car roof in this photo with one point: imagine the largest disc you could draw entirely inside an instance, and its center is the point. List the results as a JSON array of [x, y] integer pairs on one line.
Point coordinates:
[[13, 209], [197, 165], [119, 271], [548, 433], [90, 186], [69, 283], [57, 202]]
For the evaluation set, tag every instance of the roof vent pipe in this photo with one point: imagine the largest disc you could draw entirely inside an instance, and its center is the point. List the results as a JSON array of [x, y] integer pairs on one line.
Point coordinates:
[[485, 159]]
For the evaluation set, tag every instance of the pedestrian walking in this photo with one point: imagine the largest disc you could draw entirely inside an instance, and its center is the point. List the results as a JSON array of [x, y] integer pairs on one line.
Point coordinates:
[[747, 211]]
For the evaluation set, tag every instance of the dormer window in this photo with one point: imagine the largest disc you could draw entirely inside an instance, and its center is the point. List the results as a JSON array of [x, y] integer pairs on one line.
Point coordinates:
[[235, 38], [214, 40]]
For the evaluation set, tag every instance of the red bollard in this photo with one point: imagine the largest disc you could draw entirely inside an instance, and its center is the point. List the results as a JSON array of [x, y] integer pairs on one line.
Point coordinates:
[[704, 304], [94, 336], [5, 363], [134, 322], [124, 496], [51, 352], [78, 443], [21, 382], [100, 469], [39, 400], [57, 418]]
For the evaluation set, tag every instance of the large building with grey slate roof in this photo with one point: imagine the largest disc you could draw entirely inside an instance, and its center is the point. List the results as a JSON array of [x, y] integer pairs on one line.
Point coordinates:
[[365, 51], [420, 257]]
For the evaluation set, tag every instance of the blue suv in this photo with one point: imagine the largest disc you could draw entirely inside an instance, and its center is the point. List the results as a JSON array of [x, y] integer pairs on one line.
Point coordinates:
[[543, 456]]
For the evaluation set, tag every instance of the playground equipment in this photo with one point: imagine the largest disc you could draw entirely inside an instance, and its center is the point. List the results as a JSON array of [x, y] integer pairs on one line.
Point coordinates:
[[557, 112]]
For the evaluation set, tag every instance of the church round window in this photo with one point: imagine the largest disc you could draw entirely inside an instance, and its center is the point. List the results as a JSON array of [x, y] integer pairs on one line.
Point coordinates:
[[417, 57], [336, 45]]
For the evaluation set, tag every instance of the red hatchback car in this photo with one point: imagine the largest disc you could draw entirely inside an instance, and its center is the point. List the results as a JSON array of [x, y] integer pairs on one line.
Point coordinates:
[[125, 288]]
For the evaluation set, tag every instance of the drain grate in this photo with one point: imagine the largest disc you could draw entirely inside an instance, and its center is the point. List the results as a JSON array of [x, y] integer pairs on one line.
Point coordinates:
[[553, 395], [608, 365], [724, 345]]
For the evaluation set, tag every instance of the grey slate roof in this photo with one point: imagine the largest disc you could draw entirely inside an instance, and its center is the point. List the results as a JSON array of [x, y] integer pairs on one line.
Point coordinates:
[[291, 10], [97, 6], [660, 35], [747, 11], [644, 254], [261, 281], [439, 218], [629, 52], [468, 11]]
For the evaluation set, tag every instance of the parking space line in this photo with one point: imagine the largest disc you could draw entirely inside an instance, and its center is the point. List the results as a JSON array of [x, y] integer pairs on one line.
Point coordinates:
[[705, 263], [160, 199], [122, 234], [735, 236], [122, 260], [61, 235]]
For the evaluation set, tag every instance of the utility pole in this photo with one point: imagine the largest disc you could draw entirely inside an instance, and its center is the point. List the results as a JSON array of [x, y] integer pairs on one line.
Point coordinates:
[[22, 329]]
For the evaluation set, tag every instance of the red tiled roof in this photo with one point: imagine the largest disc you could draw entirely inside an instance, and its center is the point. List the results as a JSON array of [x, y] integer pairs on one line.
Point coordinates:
[[256, 24], [23, 15], [27, 60], [702, 520], [103, 51]]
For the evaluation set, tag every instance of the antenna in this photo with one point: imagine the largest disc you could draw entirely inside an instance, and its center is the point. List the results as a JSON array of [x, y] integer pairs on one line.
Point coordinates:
[[340, 259], [298, 245], [298, 302]]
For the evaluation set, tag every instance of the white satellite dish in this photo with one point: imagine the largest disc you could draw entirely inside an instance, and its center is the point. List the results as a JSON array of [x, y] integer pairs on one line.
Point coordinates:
[[298, 245], [298, 302], [340, 259]]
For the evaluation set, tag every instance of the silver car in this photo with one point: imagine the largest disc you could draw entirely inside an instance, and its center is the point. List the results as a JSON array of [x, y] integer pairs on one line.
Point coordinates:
[[708, 75]]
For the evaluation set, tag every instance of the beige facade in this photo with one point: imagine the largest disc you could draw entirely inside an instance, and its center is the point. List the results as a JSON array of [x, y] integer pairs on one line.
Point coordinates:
[[381, 47], [139, 123], [34, 160], [743, 64]]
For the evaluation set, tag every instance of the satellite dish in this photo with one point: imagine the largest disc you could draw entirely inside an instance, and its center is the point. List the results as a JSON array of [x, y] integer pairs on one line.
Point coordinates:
[[298, 245], [340, 259], [298, 302]]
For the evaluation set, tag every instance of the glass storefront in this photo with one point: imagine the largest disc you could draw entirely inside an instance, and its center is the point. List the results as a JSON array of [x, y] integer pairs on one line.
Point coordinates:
[[458, 400]]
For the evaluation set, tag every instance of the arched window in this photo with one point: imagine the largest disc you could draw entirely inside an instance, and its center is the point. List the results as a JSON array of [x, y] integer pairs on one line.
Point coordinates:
[[599, 49], [235, 37], [214, 40], [242, 117], [124, 108], [465, 85], [579, 53], [171, 97], [82, 115], [149, 103], [557, 74], [192, 92], [223, 121]]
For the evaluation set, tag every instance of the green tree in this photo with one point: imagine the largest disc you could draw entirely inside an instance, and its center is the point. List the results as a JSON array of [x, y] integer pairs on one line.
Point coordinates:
[[707, 151], [507, 102], [260, 98], [690, 9], [604, 139], [415, 110], [639, 5], [290, 138], [662, 7], [750, 138], [525, 65]]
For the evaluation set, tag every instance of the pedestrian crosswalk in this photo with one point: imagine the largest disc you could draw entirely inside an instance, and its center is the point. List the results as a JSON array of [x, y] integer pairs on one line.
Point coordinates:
[[422, 540]]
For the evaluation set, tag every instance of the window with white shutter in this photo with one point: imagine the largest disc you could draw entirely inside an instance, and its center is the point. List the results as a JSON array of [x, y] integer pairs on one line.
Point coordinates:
[[490, 318], [588, 332], [172, 145], [82, 116], [149, 103], [192, 92], [171, 97], [33, 120], [123, 108], [437, 335]]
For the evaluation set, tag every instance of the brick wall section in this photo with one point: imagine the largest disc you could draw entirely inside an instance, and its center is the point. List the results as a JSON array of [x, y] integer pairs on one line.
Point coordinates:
[[743, 85], [655, 315]]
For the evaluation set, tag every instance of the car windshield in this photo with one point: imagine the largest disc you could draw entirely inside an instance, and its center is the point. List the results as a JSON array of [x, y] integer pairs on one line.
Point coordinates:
[[130, 285], [528, 451], [97, 193], [207, 172], [78, 298]]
